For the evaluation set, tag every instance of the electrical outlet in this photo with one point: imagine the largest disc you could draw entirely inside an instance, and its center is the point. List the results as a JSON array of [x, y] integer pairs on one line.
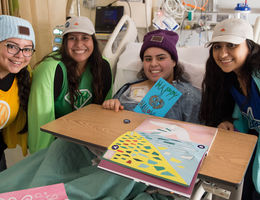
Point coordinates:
[[221, 17], [207, 17]]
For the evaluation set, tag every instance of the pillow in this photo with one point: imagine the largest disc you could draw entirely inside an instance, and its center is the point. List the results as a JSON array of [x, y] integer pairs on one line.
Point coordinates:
[[194, 61], [129, 64]]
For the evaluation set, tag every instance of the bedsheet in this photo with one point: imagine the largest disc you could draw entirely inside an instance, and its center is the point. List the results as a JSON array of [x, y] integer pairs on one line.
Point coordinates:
[[70, 163]]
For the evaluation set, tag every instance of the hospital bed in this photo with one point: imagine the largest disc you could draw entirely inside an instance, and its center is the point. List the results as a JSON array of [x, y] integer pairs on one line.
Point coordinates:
[[126, 63]]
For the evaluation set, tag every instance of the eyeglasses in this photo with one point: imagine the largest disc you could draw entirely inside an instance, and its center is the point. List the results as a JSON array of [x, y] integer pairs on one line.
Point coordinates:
[[13, 49]]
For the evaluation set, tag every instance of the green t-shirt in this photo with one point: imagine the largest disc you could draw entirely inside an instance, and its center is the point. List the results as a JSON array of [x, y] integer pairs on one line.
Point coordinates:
[[62, 103], [42, 109]]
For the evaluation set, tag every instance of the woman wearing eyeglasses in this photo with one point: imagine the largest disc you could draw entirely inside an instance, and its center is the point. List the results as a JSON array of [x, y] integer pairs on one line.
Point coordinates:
[[17, 42]]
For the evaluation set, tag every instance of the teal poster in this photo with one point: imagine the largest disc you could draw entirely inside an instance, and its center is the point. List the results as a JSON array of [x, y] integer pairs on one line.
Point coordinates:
[[159, 100]]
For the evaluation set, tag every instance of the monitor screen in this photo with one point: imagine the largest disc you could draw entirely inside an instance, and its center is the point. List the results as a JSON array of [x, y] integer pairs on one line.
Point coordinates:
[[107, 18]]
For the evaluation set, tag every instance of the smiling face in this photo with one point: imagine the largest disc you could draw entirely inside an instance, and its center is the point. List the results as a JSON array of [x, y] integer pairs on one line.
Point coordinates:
[[230, 57], [10, 63], [80, 47], [158, 63]]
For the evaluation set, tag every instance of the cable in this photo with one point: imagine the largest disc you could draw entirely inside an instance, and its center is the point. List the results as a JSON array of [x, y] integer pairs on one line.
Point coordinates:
[[110, 4], [130, 11]]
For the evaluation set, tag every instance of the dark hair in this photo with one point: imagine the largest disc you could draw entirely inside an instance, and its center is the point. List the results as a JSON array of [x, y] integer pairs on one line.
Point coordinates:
[[97, 70], [24, 86], [217, 103]]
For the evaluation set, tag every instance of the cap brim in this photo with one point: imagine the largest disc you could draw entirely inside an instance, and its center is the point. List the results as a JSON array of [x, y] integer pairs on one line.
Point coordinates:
[[226, 38], [78, 30]]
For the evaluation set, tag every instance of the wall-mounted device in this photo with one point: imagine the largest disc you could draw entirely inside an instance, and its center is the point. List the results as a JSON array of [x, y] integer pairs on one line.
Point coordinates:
[[107, 18], [57, 34]]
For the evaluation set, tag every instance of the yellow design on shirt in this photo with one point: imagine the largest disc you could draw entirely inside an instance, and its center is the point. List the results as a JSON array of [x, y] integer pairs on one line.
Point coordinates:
[[9, 105]]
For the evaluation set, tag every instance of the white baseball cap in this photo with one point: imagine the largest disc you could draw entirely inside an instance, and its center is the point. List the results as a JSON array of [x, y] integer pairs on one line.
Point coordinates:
[[232, 30], [79, 24]]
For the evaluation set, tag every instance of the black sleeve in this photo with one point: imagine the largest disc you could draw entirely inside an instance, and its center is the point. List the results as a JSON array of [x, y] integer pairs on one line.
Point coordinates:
[[106, 77], [58, 79]]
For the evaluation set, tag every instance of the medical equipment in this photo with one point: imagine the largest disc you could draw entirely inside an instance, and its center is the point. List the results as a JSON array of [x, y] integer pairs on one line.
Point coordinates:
[[242, 10], [107, 18], [130, 35], [90, 4], [57, 34]]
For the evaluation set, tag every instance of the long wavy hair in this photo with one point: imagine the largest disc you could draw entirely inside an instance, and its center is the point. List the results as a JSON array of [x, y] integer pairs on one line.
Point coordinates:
[[217, 103], [24, 86], [95, 61]]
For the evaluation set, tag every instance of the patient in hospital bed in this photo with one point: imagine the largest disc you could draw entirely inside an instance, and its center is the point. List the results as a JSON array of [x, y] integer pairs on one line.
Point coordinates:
[[160, 60]]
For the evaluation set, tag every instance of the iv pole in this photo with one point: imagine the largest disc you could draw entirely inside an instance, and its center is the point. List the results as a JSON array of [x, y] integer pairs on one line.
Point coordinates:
[[78, 7]]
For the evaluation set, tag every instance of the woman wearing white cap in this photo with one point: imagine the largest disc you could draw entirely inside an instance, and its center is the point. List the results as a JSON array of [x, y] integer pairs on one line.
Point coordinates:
[[231, 89], [66, 80], [17, 42]]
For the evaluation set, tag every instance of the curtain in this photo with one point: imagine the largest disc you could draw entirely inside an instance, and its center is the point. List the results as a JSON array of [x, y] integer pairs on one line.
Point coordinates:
[[9, 7]]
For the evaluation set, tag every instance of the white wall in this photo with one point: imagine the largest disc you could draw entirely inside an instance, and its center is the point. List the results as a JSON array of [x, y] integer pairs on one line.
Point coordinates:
[[233, 3]]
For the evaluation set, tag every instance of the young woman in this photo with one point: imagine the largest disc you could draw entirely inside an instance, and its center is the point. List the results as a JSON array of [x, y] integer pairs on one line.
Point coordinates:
[[17, 42], [231, 89], [160, 60], [68, 79]]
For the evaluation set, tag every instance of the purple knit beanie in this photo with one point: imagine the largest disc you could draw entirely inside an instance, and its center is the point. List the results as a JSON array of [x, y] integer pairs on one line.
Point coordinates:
[[163, 39]]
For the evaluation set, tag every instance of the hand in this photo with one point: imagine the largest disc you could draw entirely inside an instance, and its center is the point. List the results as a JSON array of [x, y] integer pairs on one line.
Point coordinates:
[[226, 125], [113, 104]]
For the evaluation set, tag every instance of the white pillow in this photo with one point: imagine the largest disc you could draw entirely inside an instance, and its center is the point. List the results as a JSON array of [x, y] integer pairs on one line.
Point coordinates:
[[128, 65], [194, 61]]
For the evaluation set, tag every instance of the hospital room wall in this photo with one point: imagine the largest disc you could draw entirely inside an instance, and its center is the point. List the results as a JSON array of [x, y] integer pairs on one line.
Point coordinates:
[[44, 16], [188, 38]]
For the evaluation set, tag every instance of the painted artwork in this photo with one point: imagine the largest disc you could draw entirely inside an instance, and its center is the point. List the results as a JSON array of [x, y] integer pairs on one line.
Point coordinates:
[[159, 100], [179, 130], [148, 179], [154, 154], [49, 192]]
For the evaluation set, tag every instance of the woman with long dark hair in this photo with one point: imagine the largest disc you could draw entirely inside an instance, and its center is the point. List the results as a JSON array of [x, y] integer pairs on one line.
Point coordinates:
[[231, 89], [66, 80]]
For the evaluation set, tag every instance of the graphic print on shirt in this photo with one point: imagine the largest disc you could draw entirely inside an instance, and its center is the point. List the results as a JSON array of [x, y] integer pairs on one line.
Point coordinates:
[[83, 97], [252, 122], [4, 113]]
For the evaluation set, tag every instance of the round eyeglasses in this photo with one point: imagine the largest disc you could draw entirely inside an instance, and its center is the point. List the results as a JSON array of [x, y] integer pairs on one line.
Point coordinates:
[[13, 49]]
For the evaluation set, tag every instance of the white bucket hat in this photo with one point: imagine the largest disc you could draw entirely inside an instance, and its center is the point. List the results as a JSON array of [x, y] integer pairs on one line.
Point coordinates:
[[232, 30]]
